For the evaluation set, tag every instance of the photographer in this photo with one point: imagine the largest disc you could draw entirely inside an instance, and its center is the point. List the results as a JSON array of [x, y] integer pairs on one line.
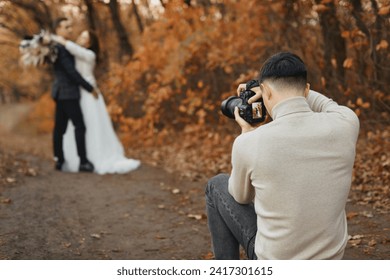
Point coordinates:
[[286, 194]]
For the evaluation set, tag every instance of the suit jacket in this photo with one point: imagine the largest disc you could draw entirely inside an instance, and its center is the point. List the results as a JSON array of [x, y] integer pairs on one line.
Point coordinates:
[[67, 79]]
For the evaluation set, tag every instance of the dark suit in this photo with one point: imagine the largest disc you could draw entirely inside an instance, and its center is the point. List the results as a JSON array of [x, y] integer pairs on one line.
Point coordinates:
[[66, 93]]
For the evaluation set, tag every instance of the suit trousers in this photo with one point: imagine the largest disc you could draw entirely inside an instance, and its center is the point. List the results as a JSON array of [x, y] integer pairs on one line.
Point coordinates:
[[69, 110]]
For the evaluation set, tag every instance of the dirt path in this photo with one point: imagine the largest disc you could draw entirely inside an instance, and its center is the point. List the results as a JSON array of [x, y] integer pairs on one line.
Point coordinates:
[[146, 214], [56, 215]]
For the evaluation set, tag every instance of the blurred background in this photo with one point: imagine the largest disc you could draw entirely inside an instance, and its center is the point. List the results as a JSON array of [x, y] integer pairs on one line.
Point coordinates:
[[165, 66]]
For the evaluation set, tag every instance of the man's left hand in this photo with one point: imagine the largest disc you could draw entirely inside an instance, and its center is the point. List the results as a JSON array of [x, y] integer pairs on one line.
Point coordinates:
[[245, 126]]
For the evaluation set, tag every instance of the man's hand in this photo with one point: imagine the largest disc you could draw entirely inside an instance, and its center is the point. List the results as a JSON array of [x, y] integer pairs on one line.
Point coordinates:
[[245, 127], [257, 90], [241, 88]]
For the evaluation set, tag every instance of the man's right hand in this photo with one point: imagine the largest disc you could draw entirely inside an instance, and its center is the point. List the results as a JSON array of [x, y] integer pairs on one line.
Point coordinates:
[[257, 90]]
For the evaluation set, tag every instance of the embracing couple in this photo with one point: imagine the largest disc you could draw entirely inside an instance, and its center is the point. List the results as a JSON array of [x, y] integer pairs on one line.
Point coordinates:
[[83, 138]]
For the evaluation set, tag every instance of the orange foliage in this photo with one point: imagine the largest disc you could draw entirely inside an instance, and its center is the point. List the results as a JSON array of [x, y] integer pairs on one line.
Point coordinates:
[[42, 116], [165, 101], [185, 66]]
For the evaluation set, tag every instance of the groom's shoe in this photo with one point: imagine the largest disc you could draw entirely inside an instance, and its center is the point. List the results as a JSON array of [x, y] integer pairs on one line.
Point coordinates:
[[86, 167]]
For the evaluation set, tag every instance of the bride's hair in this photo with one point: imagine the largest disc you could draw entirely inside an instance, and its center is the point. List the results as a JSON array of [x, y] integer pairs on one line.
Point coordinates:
[[94, 43], [57, 23]]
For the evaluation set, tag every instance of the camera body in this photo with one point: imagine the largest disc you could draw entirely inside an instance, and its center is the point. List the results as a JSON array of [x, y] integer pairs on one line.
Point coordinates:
[[251, 113]]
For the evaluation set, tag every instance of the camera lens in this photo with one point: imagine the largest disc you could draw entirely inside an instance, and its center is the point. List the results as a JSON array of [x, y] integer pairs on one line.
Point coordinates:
[[228, 105]]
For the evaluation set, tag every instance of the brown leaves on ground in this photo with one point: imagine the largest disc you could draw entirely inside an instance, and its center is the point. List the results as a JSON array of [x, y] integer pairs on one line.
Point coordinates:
[[367, 242], [371, 176], [13, 168]]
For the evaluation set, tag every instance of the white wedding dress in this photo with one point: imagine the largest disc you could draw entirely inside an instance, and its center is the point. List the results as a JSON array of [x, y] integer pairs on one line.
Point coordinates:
[[103, 147]]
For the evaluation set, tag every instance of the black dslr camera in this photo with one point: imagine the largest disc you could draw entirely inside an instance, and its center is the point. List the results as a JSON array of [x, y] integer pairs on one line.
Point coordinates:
[[251, 113]]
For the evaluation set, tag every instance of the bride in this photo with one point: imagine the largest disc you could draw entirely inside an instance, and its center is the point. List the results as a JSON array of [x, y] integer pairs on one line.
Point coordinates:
[[104, 149]]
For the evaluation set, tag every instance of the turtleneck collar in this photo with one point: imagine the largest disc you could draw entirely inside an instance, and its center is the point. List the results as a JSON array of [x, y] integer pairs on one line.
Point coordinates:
[[290, 106]]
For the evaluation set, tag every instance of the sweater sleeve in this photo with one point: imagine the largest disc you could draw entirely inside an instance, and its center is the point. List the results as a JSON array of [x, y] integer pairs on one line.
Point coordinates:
[[320, 103], [69, 68], [240, 186], [80, 52]]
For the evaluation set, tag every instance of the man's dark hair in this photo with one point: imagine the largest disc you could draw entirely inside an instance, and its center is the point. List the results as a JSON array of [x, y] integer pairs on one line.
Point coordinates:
[[57, 22], [285, 68]]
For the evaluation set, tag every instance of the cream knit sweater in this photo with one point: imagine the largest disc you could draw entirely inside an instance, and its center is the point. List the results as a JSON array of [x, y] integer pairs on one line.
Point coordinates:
[[297, 169]]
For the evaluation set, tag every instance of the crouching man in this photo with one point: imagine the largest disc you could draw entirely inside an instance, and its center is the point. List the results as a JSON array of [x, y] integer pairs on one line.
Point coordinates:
[[285, 197]]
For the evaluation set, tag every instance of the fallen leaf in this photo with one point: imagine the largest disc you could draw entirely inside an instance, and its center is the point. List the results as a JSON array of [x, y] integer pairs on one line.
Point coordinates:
[[208, 256], [160, 237], [175, 191], [95, 235], [66, 244], [6, 201], [10, 180], [351, 215], [196, 216], [354, 237], [355, 242], [31, 172], [366, 214]]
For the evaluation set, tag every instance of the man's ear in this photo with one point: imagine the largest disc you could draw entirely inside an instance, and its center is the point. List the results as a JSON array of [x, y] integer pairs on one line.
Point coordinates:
[[307, 89], [266, 91]]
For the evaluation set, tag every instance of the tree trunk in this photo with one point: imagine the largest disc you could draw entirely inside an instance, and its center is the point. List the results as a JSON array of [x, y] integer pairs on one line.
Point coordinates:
[[381, 71], [39, 11], [334, 46], [356, 12], [137, 16], [90, 14], [124, 44]]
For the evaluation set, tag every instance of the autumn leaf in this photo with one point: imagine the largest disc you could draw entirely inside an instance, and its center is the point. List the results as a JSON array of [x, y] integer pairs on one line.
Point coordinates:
[[196, 216], [372, 243], [95, 235], [10, 180], [383, 45], [160, 237], [6, 201], [355, 242], [351, 215], [175, 191], [208, 256], [383, 11], [320, 8], [348, 63], [346, 34]]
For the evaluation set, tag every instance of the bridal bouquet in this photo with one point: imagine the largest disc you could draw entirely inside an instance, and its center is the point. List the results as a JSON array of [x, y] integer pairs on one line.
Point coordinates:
[[38, 49]]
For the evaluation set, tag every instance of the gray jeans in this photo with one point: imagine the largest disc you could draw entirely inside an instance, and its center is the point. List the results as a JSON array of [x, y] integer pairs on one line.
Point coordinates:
[[230, 223]]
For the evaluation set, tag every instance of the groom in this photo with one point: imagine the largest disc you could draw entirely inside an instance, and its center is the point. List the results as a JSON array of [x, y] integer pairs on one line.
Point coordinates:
[[66, 94]]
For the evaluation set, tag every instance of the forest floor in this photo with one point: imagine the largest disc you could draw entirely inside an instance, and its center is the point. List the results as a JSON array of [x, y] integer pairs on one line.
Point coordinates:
[[146, 214]]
